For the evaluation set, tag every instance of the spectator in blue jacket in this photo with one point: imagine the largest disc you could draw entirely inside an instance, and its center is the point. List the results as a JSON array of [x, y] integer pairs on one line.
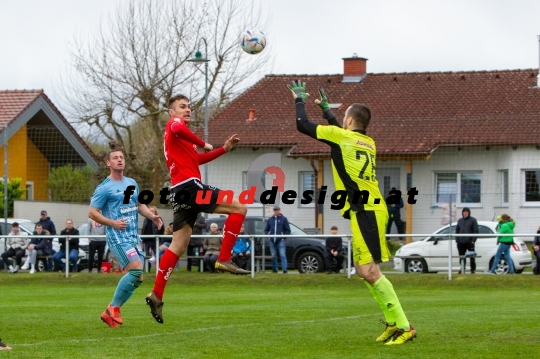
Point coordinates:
[[46, 223], [278, 225], [241, 252]]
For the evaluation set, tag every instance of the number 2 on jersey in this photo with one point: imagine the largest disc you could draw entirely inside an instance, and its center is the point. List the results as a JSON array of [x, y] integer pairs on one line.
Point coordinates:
[[369, 159]]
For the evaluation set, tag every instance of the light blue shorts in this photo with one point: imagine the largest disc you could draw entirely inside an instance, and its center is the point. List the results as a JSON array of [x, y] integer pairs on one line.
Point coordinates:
[[127, 252]]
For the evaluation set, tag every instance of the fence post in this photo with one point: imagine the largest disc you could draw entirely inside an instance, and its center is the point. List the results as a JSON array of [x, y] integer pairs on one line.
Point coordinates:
[[263, 255], [349, 250], [67, 258], [156, 254], [450, 240], [252, 259], [5, 183]]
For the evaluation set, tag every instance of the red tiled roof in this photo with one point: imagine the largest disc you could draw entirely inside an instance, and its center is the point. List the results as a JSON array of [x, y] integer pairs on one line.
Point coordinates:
[[14, 102], [412, 113]]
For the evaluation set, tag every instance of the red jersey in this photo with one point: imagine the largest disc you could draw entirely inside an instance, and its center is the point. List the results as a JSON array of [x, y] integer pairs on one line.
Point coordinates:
[[180, 147]]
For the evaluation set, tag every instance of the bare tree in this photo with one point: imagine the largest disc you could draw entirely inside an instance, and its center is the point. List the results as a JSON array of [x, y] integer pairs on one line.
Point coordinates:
[[126, 72]]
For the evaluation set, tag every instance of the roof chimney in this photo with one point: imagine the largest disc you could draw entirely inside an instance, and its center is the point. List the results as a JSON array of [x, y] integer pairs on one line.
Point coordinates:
[[354, 68], [251, 115]]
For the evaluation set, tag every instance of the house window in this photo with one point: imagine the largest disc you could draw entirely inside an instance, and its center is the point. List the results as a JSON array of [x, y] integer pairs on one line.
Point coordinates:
[[504, 187], [446, 186], [532, 186], [30, 190], [462, 187], [470, 187], [306, 183]]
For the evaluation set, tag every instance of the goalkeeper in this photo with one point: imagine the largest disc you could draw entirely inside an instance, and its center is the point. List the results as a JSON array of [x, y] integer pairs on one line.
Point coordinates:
[[353, 165]]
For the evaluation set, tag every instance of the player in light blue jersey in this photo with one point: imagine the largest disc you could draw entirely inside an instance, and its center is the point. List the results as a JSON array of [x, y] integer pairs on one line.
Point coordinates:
[[108, 208]]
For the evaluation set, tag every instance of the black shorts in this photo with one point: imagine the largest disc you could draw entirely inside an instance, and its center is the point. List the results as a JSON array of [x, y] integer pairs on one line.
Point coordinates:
[[184, 206]]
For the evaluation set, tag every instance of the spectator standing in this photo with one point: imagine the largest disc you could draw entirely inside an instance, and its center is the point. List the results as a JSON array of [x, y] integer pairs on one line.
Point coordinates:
[[16, 246], [212, 245], [506, 226], [96, 244], [334, 250], [394, 204], [37, 247], [536, 248], [73, 246], [466, 224], [241, 252], [46, 223], [278, 225], [195, 246]]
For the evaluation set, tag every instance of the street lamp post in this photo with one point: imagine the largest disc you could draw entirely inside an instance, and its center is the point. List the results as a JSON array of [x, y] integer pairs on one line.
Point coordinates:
[[200, 59]]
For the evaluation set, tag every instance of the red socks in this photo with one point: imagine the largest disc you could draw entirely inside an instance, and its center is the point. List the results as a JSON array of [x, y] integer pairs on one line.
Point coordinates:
[[231, 228], [166, 266]]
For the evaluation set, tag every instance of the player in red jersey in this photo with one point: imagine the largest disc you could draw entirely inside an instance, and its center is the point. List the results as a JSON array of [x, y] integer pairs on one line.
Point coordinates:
[[183, 160]]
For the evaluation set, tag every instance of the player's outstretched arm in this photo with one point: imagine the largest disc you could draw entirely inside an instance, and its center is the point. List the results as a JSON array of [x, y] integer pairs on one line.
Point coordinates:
[[145, 212], [325, 107], [303, 124], [231, 142], [205, 157], [182, 131]]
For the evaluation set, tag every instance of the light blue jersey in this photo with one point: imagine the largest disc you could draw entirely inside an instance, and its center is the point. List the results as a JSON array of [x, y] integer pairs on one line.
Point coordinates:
[[109, 198]]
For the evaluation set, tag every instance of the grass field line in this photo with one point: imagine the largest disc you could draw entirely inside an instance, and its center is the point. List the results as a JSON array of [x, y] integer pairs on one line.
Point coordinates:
[[205, 329], [183, 331]]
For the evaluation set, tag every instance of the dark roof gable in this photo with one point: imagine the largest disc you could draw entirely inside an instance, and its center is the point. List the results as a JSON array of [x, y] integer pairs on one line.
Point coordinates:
[[413, 113]]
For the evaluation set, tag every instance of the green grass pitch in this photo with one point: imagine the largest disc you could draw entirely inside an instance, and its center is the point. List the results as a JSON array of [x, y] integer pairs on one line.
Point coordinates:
[[271, 316]]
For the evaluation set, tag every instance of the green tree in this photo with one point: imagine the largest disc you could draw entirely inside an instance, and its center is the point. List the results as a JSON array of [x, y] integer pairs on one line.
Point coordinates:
[[14, 192], [70, 184]]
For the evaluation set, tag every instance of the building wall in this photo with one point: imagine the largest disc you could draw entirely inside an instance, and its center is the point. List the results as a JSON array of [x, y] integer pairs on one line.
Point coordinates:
[[37, 171], [226, 173], [427, 213], [27, 162], [17, 157]]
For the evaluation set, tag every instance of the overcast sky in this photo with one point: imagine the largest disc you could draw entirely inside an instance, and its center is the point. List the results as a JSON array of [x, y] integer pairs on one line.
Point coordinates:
[[307, 36]]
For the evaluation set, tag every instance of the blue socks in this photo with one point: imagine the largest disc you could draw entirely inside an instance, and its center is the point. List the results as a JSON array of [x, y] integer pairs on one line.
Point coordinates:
[[126, 286]]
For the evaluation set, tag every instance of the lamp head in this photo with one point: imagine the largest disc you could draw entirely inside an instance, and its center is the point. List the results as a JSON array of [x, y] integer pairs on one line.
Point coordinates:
[[198, 58]]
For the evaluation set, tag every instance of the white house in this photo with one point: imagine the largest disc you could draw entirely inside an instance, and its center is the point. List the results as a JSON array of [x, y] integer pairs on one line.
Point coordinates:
[[472, 135]]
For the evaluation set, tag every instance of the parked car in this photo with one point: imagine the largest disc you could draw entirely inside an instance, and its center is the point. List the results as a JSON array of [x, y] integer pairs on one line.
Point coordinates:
[[485, 248], [303, 253], [27, 227]]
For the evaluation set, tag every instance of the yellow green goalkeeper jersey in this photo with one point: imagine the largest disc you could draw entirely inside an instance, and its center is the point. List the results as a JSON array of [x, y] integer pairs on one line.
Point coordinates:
[[353, 165]]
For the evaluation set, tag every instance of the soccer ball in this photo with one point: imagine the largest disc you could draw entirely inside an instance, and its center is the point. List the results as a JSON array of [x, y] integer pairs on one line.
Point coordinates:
[[253, 41]]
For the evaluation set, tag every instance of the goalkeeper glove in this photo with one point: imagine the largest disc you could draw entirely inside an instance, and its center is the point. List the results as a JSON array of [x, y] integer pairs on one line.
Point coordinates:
[[298, 90], [323, 102]]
